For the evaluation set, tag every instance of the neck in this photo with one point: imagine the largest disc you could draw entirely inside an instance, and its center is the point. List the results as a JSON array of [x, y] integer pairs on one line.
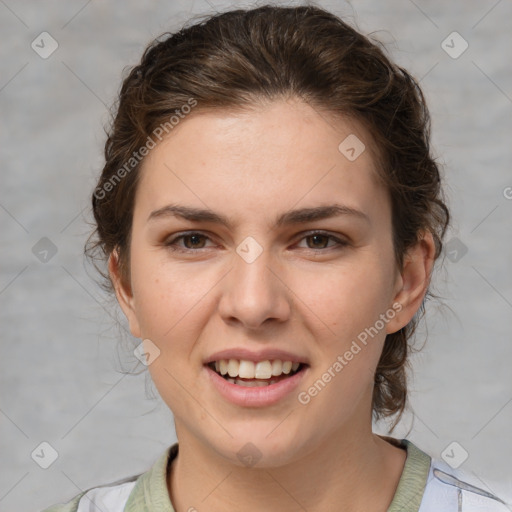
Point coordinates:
[[343, 473]]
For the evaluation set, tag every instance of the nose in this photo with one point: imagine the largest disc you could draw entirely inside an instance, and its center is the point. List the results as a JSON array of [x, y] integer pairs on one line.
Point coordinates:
[[254, 293]]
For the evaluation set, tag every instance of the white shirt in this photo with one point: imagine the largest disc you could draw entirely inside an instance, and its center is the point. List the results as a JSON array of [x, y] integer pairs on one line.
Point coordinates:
[[426, 485]]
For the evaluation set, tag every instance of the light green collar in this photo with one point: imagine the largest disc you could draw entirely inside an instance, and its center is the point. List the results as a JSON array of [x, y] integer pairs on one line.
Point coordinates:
[[413, 481], [150, 492]]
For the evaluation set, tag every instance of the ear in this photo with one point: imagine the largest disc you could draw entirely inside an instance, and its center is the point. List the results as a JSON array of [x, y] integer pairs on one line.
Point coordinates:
[[413, 281], [124, 294]]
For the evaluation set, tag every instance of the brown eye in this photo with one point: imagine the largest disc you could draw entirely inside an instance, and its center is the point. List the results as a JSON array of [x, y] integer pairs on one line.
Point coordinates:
[[320, 240], [194, 240], [189, 242]]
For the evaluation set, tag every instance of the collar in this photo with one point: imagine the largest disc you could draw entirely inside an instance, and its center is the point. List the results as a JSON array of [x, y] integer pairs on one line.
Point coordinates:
[[412, 483], [150, 491]]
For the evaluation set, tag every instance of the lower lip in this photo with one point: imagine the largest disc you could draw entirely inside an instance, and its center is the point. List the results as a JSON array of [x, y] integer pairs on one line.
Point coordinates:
[[255, 396]]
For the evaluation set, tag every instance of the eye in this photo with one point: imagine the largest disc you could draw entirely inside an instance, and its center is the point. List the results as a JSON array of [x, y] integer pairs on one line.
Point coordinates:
[[319, 240], [192, 241]]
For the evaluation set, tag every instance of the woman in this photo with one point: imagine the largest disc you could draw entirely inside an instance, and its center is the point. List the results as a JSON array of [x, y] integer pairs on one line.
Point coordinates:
[[271, 214]]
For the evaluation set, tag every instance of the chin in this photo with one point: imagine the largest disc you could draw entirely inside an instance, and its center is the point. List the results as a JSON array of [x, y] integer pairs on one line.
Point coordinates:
[[259, 448]]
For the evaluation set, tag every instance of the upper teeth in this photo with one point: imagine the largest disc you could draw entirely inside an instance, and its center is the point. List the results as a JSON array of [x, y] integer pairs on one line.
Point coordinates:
[[250, 370]]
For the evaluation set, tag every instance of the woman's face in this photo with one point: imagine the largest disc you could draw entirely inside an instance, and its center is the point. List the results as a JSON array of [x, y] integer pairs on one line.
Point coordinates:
[[256, 285]]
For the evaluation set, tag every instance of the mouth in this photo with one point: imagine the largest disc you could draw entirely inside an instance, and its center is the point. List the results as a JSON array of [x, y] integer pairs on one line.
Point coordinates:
[[255, 374]]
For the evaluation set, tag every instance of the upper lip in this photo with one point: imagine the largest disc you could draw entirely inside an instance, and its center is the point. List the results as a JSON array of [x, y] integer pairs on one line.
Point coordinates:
[[261, 355]]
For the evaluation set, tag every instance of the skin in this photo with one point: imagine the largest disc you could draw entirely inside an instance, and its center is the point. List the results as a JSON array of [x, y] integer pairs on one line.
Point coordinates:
[[305, 295]]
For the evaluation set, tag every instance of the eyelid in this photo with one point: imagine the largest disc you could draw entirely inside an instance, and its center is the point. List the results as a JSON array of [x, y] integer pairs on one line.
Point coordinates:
[[336, 237], [183, 234], [340, 242]]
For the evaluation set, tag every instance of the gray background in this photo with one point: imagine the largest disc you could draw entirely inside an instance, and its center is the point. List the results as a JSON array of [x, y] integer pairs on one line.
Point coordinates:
[[64, 343]]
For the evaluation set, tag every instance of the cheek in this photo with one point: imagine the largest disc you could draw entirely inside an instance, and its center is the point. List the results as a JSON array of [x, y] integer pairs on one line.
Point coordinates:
[[343, 306], [346, 298], [167, 296], [173, 308]]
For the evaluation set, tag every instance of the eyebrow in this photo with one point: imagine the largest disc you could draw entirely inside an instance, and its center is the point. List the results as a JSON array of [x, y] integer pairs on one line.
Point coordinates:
[[300, 216]]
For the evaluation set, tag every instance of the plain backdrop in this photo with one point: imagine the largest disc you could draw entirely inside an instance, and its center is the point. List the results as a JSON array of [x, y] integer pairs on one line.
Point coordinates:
[[64, 344]]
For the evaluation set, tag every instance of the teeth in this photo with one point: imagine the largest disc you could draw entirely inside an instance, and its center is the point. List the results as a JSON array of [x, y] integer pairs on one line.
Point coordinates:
[[251, 384], [250, 370], [233, 367], [263, 370], [245, 370], [277, 368]]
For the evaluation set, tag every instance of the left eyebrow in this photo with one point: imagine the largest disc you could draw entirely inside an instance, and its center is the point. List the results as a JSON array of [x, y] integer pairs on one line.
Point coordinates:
[[305, 215], [299, 216]]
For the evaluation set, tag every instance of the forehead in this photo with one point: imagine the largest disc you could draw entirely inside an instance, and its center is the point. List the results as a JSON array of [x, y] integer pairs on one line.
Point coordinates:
[[262, 160]]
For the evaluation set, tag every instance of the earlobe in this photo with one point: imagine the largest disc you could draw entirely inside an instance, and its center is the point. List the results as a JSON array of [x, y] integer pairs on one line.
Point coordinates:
[[414, 279], [124, 294]]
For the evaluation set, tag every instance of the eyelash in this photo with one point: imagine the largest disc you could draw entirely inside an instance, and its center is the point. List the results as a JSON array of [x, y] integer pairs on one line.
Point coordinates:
[[171, 243]]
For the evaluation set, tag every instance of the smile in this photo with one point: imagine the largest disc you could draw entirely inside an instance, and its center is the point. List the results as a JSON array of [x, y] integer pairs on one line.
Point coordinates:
[[249, 383], [249, 373]]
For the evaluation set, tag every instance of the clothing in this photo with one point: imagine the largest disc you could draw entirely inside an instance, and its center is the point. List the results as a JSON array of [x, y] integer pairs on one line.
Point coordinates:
[[426, 485]]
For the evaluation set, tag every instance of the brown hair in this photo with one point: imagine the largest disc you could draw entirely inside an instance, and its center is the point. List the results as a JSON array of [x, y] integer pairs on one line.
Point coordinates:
[[241, 58]]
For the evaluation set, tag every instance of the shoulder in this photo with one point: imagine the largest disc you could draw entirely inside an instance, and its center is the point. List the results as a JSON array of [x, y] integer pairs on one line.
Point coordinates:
[[128, 494], [110, 497], [430, 485], [70, 506], [450, 490]]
